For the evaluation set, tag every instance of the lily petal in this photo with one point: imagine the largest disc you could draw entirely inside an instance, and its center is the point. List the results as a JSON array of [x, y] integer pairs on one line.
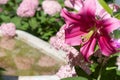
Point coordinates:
[[106, 46], [73, 35], [70, 17], [88, 48], [110, 24], [89, 8], [77, 4], [88, 12]]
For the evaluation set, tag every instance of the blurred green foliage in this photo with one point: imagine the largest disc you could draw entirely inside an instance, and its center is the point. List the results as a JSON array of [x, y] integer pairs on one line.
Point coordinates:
[[109, 0], [41, 25]]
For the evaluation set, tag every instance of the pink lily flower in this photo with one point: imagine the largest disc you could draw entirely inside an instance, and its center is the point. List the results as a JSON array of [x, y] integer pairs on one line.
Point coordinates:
[[89, 28], [77, 4]]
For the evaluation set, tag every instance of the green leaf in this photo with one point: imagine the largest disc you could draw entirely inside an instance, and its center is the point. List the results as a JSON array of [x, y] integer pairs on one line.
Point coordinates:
[[5, 18], [33, 23], [52, 19], [39, 30], [109, 70], [96, 72], [80, 72], [18, 1], [109, 74], [93, 67], [111, 62], [106, 7], [11, 3], [116, 34], [38, 15], [25, 26], [47, 35], [16, 21], [118, 72], [75, 78], [117, 15]]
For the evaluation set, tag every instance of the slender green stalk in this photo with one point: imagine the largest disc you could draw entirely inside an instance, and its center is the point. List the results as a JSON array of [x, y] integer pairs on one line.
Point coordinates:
[[99, 76], [102, 65]]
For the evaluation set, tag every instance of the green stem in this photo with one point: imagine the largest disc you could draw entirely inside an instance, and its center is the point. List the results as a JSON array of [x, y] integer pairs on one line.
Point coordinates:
[[99, 76], [102, 65]]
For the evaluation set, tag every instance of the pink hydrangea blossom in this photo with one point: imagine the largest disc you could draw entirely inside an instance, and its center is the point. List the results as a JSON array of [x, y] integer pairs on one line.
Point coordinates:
[[8, 29], [3, 1], [51, 7], [58, 40], [27, 8], [73, 56], [87, 28], [66, 71]]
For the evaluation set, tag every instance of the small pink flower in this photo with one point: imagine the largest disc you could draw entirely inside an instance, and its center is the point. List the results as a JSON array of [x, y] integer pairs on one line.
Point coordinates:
[[66, 71], [8, 29], [27, 8], [51, 7], [3, 1], [58, 41]]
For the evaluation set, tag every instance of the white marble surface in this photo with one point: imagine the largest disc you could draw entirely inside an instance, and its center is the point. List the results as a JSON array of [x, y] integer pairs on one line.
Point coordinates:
[[41, 45], [52, 77], [44, 47]]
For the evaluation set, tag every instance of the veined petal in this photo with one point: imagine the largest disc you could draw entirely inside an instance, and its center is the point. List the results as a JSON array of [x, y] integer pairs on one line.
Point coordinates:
[[73, 35], [80, 20], [70, 17], [101, 12], [77, 4], [99, 8], [87, 13], [110, 24], [106, 46], [74, 41], [89, 8], [88, 48]]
